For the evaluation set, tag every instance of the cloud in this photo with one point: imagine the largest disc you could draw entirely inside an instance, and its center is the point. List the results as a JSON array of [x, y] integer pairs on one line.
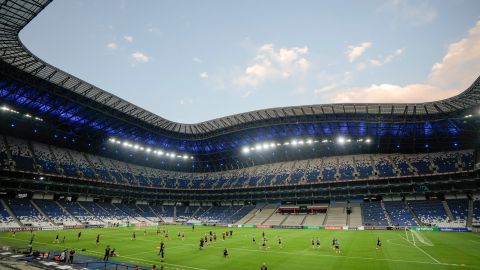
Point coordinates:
[[381, 93], [140, 57], [447, 78], [380, 61], [197, 60], [204, 75], [270, 64], [462, 59], [112, 46], [129, 39], [354, 52]]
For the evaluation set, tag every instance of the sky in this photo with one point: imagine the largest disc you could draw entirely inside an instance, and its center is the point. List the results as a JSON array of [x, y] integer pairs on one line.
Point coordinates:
[[193, 61]]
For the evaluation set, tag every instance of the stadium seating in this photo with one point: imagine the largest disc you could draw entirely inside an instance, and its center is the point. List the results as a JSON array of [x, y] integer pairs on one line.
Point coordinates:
[[399, 213], [459, 209], [55, 213], [6, 221], [373, 214], [78, 211], [33, 156], [26, 212], [21, 154], [430, 212], [476, 212]]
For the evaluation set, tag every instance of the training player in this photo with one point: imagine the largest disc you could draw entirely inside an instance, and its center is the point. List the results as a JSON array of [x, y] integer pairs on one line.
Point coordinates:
[[318, 243], [79, 235], [379, 243], [253, 240], [264, 243], [333, 243], [201, 243], [134, 236], [183, 236], [214, 237], [280, 242], [144, 231], [98, 240], [313, 242], [337, 246], [225, 253], [161, 252], [56, 239]]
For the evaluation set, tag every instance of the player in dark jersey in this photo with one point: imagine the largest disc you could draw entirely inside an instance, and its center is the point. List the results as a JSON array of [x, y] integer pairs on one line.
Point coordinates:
[[79, 235], [201, 243], [313, 243], [134, 236], [223, 236], [161, 252], [337, 246], [206, 239], [264, 243], [214, 237], [318, 242], [98, 240], [183, 236], [333, 243], [56, 239], [225, 253], [379, 243], [264, 267], [253, 240], [280, 242]]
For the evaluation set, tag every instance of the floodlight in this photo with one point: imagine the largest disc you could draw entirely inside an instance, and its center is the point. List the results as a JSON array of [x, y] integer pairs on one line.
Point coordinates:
[[309, 141], [340, 140], [246, 150]]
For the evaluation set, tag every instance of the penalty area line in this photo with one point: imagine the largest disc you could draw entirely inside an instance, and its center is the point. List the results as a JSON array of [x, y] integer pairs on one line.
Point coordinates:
[[423, 251]]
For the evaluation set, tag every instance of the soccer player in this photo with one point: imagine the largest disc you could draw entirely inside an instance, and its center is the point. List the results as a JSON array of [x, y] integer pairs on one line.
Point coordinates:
[[263, 234], [178, 235], [280, 242], [313, 243], [183, 236], [211, 239], [161, 252], [253, 240], [107, 253], [98, 240], [337, 246], [14, 234], [318, 243], [264, 267], [206, 239], [223, 236], [63, 240], [333, 243], [225, 253], [201, 243], [133, 236], [144, 231], [56, 239], [264, 243], [379, 243], [79, 235], [193, 227], [214, 237]]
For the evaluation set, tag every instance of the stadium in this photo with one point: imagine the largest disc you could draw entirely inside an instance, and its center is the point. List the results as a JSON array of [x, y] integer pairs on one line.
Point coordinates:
[[328, 186]]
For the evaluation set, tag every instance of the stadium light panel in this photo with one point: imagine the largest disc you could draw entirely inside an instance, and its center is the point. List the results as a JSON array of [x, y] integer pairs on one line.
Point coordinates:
[[272, 145], [309, 141], [341, 140], [265, 146], [294, 142], [258, 147], [368, 140], [246, 150]]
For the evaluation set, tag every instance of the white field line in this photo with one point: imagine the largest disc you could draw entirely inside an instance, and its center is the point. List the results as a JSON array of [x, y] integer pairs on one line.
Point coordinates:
[[96, 252], [424, 252]]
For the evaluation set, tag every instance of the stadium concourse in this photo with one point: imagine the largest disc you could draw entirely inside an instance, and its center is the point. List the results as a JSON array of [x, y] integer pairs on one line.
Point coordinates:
[[74, 157]]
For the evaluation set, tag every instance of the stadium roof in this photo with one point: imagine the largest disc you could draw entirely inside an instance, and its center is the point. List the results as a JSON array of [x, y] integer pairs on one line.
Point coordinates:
[[88, 116], [15, 15]]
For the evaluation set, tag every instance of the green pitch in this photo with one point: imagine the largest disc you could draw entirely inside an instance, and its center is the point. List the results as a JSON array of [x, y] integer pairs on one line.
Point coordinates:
[[400, 250]]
